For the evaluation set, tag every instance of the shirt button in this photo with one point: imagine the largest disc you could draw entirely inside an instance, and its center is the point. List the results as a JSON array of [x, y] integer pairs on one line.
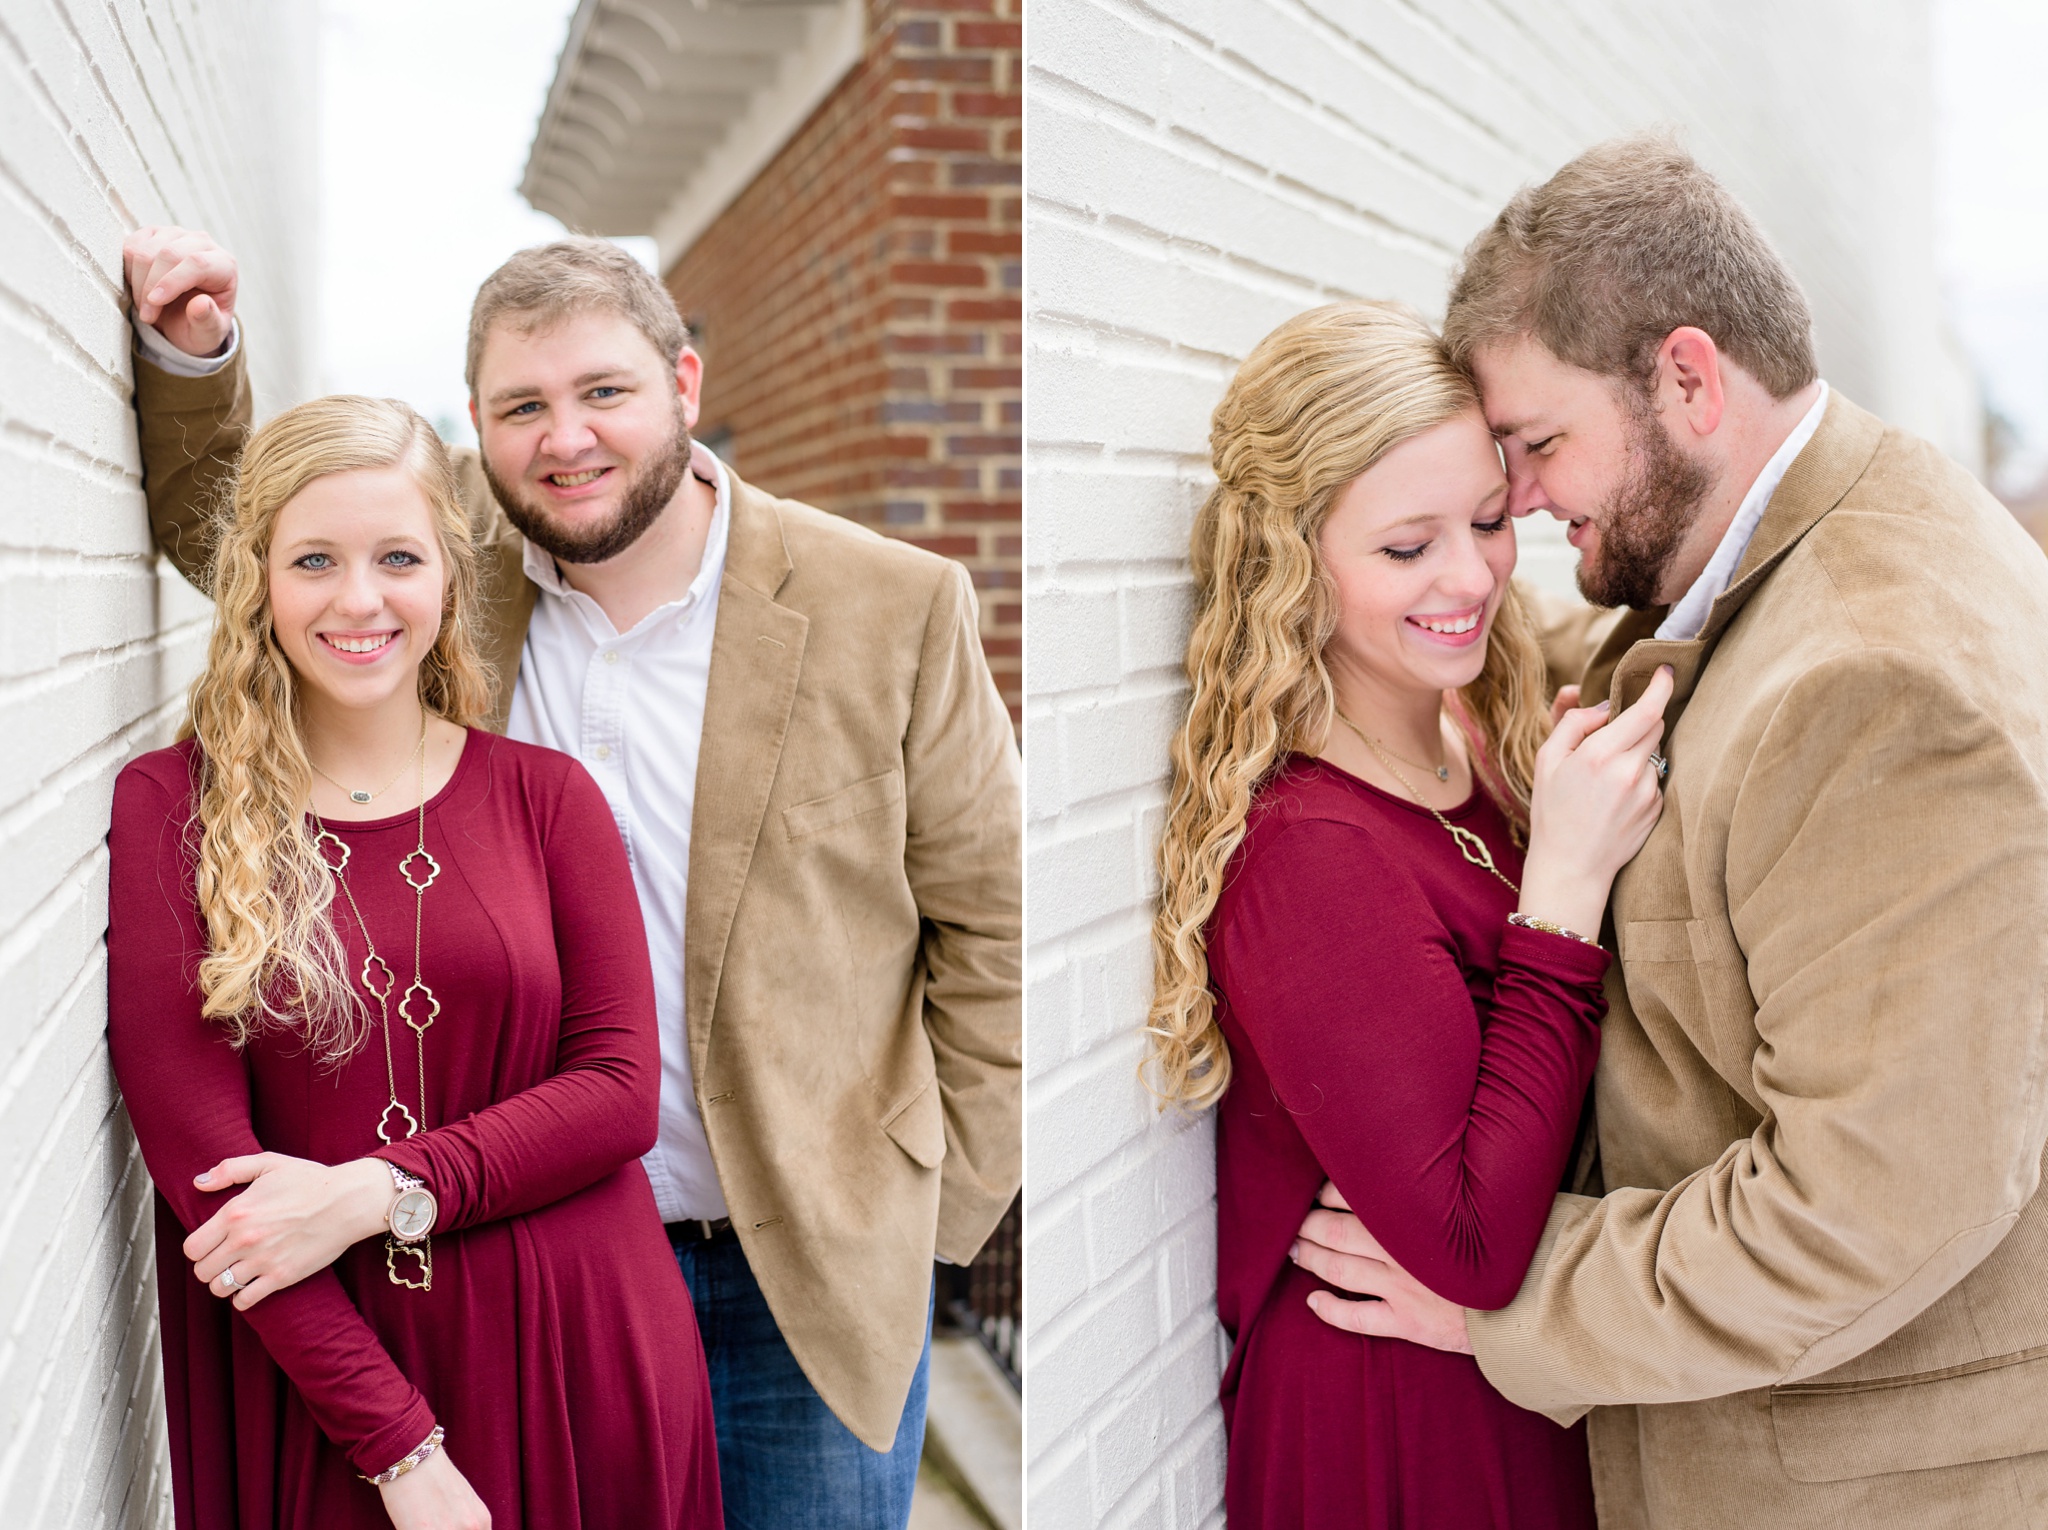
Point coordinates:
[[604, 751], [612, 657]]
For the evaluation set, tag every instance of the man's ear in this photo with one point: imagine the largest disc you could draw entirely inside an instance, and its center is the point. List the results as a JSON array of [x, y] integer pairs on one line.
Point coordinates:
[[690, 385], [475, 424], [1689, 379]]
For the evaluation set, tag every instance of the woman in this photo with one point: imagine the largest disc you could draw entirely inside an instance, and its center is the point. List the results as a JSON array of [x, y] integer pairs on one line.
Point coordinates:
[[1354, 959], [405, 957]]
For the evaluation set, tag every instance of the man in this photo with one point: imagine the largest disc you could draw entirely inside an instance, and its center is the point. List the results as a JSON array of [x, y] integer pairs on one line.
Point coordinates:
[[1812, 1290], [817, 787]]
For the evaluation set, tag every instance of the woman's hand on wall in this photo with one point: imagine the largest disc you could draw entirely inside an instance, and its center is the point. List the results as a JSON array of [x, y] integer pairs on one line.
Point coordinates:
[[296, 1217]]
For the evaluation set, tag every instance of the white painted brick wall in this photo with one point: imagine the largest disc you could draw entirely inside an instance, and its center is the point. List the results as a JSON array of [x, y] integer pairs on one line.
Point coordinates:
[[113, 113], [1198, 171]]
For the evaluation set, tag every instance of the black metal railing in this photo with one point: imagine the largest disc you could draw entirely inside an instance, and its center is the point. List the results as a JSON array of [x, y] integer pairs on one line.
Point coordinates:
[[984, 1299]]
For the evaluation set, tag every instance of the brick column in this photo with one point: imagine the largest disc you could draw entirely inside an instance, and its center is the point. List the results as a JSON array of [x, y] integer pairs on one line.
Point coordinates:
[[955, 408], [859, 304]]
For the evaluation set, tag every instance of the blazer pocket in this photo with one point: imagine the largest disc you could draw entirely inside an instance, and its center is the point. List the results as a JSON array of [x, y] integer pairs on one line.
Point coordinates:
[[822, 813], [918, 1126], [1694, 971], [1986, 1410], [1656, 940]]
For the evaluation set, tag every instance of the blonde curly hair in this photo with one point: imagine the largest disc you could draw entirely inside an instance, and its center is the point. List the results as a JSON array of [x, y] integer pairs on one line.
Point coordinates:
[[1318, 401], [274, 960]]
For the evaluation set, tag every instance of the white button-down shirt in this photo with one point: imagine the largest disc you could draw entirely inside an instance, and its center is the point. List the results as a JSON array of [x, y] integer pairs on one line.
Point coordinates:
[[1684, 621], [630, 706]]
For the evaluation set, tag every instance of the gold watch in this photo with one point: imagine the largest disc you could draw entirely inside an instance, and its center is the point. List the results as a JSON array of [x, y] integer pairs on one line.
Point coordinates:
[[413, 1213]]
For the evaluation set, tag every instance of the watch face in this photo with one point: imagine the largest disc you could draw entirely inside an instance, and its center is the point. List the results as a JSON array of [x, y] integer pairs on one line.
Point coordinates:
[[413, 1217]]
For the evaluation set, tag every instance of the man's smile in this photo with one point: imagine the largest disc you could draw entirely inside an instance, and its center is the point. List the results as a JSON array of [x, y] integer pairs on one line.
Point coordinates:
[[581, 478]]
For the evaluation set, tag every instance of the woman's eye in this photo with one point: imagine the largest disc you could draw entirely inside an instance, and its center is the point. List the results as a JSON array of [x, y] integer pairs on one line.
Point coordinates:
[[1488, 528], [403, 559], [1405, 554], [313, 562]]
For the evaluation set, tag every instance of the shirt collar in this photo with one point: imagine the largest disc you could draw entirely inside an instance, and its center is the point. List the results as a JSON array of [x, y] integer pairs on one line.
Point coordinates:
[[1688, 617], [544, 572]]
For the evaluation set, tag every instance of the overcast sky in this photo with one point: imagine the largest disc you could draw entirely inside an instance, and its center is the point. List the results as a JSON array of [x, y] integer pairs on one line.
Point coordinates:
[[429, 108], [1991, 102]]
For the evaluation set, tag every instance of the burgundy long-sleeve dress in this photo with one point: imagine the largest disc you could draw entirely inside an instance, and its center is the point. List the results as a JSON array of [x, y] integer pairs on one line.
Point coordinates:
[[558, 1346], [1390, 1031]]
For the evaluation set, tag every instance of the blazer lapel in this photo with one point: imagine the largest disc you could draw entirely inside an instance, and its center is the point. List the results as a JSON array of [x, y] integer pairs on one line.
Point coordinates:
[[1635, 627], [1834, 459], [1819, 476], [757, 651]]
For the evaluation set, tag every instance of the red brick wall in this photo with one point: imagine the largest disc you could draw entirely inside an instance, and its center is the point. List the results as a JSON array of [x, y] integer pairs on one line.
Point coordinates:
[[859, 305]]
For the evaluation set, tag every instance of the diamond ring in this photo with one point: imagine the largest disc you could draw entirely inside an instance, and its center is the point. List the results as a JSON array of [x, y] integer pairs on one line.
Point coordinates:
[[227, 1278]]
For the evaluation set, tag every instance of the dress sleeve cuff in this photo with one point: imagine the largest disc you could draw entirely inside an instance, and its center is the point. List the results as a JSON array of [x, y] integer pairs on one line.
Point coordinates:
[[1554, 955], [386, 1447], [414, 1158]]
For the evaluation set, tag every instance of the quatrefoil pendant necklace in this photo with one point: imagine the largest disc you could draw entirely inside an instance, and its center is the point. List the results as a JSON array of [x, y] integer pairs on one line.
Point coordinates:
[[417, 1007]]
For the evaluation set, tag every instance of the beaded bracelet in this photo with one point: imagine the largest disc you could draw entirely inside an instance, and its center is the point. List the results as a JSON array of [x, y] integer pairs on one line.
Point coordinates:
[[419, 1453], [1531, 922]]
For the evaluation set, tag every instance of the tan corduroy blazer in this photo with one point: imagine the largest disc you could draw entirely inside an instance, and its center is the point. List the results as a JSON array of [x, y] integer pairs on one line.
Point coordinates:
[[852, 941], [1815, 1291]]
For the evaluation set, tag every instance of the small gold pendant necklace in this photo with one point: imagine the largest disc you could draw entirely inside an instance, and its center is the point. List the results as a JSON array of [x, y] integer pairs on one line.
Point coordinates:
[[363, 798], [418, 1007], [1443, 771], [1470, 845]]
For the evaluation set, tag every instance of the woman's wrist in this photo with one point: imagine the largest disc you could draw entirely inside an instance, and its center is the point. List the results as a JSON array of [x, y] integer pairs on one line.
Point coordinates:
[[367, 1192], [1576, 903]]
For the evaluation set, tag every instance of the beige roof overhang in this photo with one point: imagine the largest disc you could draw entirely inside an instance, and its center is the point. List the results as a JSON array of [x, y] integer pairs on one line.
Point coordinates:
[[662, 111]]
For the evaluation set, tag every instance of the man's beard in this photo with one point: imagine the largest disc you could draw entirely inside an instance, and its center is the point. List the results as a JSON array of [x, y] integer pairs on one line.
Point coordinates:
[[646, 495], [1645, 519]]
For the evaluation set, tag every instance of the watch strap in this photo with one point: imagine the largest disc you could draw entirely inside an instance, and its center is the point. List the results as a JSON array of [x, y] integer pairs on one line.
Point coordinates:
[[402, 1180]]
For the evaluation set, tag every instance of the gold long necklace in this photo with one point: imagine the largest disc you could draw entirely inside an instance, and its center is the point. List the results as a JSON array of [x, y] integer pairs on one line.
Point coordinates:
[[417, 995], [1470, 845], [362, 798]]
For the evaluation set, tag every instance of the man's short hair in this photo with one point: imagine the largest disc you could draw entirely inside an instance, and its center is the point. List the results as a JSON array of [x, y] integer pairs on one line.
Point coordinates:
[[550, 282], [1628, 242]]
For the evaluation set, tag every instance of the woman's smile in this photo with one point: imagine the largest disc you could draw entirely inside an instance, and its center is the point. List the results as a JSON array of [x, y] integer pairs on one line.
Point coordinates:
[[359, 647], [1451, 629]]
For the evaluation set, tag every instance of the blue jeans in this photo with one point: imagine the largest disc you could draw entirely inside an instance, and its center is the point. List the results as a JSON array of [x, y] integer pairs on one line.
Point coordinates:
[[784, 1461]]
